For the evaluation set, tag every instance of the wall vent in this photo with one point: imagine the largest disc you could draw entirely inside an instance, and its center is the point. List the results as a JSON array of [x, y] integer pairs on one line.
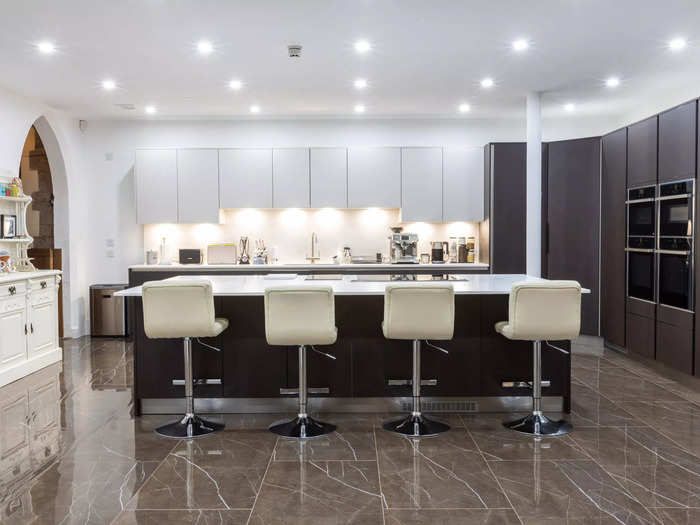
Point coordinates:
[[442, 406], [294, 51]]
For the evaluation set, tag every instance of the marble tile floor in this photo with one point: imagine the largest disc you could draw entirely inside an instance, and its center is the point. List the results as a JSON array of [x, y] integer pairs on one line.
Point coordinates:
[[633, 458]]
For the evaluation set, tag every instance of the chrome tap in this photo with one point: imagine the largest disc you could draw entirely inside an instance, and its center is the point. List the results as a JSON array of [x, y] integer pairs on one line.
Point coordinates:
[[315, 252]]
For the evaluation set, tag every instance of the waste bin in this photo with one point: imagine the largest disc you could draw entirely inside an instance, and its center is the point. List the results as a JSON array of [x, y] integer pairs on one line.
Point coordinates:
[[107, 312]]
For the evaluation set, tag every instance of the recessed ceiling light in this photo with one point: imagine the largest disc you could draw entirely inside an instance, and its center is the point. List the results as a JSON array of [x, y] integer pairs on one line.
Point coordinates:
[[362, 46], [520, 44], [569, 106], [360, 83], [45, 47], [150, 110], [108, 85], [612, 82], [677, 44], [235, 85], [487, 82], [204, 47], [359, 108], [464, 108], [255, 108]]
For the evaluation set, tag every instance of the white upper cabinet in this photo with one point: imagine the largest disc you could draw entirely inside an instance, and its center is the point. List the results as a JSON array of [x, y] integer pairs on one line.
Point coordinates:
[[329, 177], [156, 186], [463, 184], [245, 178], [198, 185], [421, 184], [290, 178], [374, 177]]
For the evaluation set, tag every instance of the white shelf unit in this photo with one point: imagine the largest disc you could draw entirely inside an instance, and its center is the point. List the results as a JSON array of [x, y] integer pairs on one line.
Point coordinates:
[[17, 246]]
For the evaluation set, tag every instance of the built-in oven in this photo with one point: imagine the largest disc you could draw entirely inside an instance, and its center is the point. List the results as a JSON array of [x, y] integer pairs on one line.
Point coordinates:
[[641, 261], [675, 263], [676, 203], [641, 211]]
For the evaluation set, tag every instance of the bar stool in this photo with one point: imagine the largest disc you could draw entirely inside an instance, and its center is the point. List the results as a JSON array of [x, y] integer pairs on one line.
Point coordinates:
[[541, 311], [183, 309], [301, 316], [418, 312]]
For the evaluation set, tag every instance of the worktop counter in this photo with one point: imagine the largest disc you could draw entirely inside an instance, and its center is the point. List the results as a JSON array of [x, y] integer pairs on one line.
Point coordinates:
[[307, 268]]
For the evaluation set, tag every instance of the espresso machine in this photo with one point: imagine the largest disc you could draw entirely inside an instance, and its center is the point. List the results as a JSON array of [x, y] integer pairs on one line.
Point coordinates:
[[403, 248]]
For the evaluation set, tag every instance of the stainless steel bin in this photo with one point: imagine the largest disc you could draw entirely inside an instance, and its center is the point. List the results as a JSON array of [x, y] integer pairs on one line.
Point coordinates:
[[107, 312]]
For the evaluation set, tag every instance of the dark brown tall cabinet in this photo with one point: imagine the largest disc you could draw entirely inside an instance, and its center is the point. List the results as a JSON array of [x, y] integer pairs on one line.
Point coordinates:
[[505, 179], [613, 194], [677, 143], [571, 204], [642, 153]]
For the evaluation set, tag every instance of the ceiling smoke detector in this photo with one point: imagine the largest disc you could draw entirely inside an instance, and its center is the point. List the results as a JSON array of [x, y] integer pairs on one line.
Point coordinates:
[[294, 51]]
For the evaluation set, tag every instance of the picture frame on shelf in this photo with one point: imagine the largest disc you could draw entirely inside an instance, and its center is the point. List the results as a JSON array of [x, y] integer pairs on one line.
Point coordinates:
[[8, 226]]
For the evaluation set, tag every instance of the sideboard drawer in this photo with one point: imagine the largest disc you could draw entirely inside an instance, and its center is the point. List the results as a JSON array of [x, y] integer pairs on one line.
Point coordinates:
[[13, 289]]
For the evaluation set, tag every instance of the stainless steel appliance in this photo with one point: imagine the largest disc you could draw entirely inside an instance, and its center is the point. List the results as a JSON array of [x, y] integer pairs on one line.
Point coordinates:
[[107, 312], [404, 248], [675, 259], [641, 243]]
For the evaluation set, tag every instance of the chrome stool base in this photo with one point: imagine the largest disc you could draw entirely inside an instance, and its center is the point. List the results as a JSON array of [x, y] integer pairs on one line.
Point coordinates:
[[539, 425], [190, 426], [416, 426], [304, 427]]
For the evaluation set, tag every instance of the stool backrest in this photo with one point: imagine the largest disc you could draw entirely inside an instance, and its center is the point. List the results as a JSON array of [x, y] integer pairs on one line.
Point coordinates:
[[300, 315], [545, 310], [176, 309], [425, 311]]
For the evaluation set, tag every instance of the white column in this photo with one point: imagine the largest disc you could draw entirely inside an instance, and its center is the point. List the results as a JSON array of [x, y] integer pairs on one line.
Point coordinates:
[[533, 240]]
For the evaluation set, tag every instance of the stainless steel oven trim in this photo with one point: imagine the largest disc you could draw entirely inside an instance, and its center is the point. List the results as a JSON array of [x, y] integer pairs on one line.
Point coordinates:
[[672, 197], [640, 250], [635, 201]]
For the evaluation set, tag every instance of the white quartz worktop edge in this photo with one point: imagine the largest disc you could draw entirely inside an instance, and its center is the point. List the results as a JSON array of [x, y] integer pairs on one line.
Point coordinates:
[[307, 267], [255, 285], [20, 276]]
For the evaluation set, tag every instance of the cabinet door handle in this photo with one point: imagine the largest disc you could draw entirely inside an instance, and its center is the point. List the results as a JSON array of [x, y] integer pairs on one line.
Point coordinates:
[[25, 328], [43, 284], [31, 327], [12, 290]]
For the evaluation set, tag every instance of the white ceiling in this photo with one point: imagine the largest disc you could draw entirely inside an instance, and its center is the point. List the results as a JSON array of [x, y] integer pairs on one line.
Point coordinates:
[[428, 56]]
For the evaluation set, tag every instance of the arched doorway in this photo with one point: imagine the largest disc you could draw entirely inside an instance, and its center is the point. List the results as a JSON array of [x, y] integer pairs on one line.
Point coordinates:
[[47, 183]]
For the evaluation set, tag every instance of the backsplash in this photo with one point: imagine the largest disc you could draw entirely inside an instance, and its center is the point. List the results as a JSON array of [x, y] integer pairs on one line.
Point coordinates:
[[288, 232]]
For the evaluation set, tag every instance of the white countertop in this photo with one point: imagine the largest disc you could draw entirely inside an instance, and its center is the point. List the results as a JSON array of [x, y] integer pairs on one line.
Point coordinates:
[[307, 267], [254, 285], [20, 276]]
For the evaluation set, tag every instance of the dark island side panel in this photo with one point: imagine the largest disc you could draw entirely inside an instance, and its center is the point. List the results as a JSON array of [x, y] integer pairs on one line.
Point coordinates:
[[479, 359]]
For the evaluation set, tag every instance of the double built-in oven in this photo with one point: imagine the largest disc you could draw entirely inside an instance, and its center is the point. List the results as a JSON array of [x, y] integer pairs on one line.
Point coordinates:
[[660, 243]]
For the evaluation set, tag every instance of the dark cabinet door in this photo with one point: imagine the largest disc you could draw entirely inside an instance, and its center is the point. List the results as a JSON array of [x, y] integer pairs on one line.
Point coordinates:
[[640, 335], [573, 220], [642, 153], [674, 338], [507, 217], [677, 143], [614, 181]]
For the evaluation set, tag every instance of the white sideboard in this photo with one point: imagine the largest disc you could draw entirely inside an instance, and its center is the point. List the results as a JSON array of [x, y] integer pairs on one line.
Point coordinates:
[[430, 184], [28, 323]]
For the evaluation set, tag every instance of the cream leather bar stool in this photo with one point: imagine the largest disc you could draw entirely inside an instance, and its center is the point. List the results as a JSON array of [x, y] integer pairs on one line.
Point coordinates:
[[301, 316], [182, 309], [541, 311], [415, 313]]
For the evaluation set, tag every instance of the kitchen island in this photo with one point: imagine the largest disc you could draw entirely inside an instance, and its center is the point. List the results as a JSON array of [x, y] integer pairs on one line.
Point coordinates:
[[371, 373]]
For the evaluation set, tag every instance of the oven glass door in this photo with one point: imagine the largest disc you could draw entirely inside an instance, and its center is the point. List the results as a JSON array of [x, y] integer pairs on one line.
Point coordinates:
[[641, 218], [640, 274], [676, 279], [676, 217]]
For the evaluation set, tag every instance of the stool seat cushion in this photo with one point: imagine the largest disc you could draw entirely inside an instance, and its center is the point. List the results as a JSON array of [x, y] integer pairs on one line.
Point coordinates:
[[220, 324], [299, 315], [419, 311], [543, 310], [180, 308]]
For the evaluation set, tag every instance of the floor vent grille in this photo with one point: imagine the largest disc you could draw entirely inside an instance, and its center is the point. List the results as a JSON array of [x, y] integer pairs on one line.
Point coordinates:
[[442, 406]]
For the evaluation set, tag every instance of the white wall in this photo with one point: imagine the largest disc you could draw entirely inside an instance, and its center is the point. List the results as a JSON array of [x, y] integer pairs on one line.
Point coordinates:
[[59, 133]]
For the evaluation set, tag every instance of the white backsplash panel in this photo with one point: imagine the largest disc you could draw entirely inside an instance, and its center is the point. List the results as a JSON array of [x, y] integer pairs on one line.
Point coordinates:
[[287, 233]]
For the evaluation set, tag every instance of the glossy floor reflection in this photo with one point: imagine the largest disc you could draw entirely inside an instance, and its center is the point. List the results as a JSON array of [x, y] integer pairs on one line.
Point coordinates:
[[73, 453]]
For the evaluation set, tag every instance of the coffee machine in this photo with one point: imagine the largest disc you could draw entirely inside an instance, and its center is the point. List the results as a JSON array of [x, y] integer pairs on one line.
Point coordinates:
[[403, 248]]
